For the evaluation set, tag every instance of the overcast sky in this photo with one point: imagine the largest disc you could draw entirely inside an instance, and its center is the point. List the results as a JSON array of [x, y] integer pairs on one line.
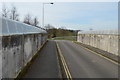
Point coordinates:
[[73, 15]]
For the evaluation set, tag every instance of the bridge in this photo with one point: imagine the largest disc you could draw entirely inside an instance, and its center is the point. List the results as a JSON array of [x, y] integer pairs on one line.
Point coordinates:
[[25, 53]]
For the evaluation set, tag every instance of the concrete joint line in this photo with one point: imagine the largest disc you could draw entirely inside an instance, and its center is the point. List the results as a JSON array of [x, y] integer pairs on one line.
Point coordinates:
[[69, 77]]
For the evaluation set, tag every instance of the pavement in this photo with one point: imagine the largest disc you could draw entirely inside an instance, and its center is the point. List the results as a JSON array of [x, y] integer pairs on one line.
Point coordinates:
[[85, 64], [46, 63]]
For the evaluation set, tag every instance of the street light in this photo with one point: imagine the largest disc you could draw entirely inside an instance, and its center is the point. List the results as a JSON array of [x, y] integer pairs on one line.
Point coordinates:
[[43, 13]]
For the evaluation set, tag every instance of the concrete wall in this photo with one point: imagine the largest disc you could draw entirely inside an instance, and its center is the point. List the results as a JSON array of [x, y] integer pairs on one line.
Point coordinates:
[[18, 43], [0, 57], [17, 50], [107, 42], [0, 49]]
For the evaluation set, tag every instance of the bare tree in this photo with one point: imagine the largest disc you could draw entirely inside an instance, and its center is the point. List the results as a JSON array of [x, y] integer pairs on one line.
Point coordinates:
[[48, 26], [5, 11], [27, 19], [14, 14], [90, 29], [35, 21]]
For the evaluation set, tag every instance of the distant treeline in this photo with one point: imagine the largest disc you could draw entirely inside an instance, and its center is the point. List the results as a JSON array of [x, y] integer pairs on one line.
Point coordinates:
[[59, 32]]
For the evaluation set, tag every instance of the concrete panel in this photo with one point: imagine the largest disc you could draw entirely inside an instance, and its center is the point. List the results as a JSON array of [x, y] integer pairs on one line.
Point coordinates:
[[0, 48], [5, 51], [12, 55], [105, 42], [27, 48], [16, 51], [0, 57]]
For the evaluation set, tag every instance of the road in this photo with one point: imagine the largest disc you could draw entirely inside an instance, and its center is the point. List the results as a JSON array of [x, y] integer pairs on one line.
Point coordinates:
[[85, 64], [46, 64]]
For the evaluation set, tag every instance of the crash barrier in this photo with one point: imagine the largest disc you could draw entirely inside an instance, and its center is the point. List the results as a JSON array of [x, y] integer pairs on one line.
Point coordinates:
[[106, 40], [20, 42]]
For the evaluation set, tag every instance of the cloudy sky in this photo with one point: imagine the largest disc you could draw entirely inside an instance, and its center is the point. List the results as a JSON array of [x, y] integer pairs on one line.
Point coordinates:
[[72, 15]]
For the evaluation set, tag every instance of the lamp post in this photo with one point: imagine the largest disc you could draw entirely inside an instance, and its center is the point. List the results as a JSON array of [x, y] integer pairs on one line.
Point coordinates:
[[43, 14]]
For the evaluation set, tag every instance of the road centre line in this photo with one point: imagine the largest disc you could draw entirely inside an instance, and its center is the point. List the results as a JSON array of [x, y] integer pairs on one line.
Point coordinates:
[[69, 77]]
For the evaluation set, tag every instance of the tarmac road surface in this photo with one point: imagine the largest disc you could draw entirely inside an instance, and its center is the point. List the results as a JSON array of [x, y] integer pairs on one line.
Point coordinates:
[[85, 64]]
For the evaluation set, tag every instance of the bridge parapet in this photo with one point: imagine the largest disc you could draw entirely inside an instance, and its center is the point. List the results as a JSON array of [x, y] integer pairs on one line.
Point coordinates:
[[19, 43], [106, 40]]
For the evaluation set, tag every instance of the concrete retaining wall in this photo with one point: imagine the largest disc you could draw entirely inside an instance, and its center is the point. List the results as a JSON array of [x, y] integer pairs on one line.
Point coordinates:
[[17, 50], [107, 42]]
